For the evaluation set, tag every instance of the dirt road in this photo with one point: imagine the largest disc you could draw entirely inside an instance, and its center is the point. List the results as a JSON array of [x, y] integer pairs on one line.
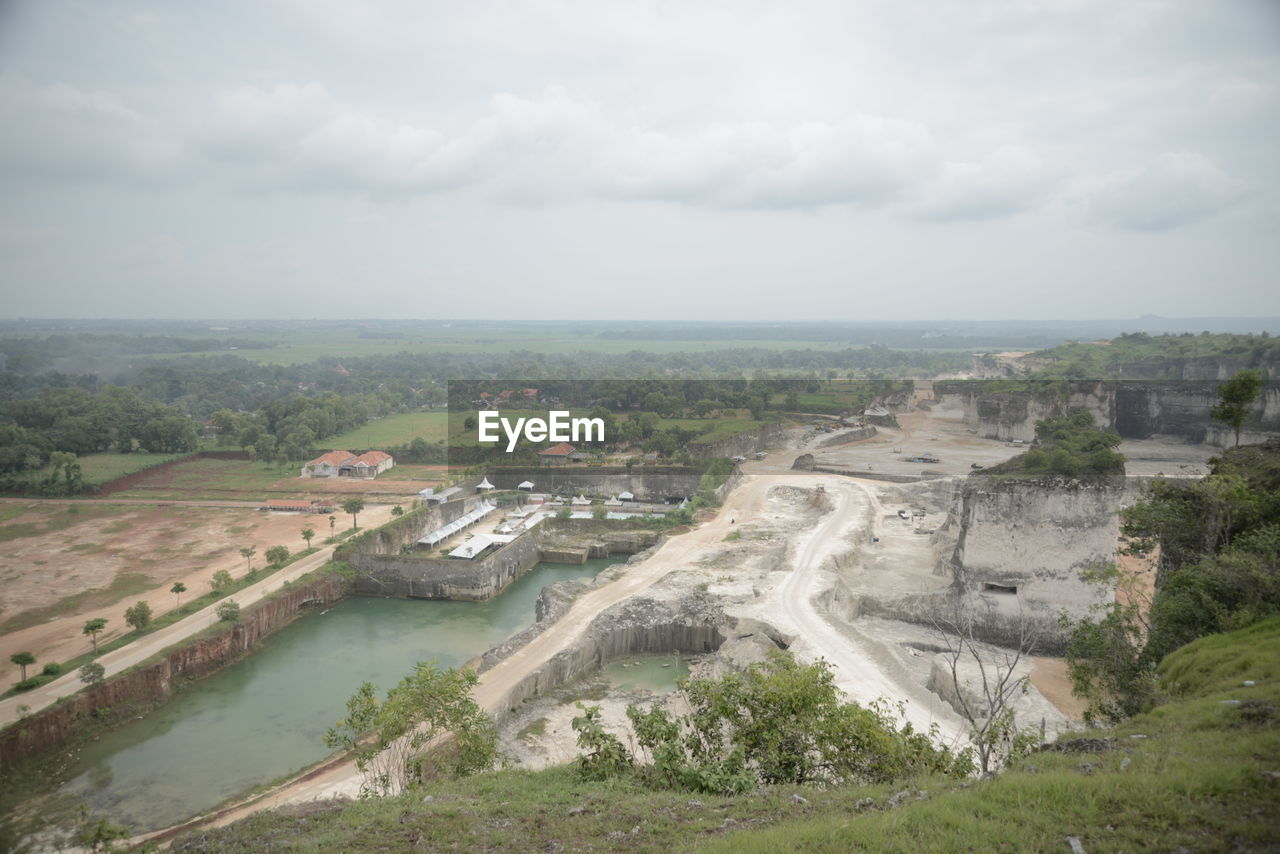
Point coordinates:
[[862, 670]]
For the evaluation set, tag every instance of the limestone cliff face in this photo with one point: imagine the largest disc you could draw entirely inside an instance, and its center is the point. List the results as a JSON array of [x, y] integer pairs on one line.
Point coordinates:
[[1008, 416], [1134, 409], [1027, 543]]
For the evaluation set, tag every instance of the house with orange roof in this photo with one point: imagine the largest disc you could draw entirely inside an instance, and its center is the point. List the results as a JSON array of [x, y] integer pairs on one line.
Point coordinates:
[[556, 455], [347, 464], [368, 464]]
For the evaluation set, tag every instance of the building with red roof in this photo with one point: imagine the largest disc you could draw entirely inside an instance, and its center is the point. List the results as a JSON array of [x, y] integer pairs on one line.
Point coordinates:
[[556, 455], [347, 464]]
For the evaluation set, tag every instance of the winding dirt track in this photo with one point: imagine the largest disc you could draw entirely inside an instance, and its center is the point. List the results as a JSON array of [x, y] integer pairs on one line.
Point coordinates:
[[863, 670]]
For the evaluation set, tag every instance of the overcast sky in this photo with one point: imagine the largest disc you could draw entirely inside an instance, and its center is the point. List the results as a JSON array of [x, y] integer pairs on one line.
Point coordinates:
[[738, 160]]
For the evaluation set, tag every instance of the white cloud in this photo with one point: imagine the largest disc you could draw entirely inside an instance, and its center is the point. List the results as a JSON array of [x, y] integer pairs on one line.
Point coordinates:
[[56, 132], [1177, 188], [1011, 180]]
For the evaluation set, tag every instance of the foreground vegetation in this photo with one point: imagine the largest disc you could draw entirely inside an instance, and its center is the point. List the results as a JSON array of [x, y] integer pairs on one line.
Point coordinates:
[[1198, 772]]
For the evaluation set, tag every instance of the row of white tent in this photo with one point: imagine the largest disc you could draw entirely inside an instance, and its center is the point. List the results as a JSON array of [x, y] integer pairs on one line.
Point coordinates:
[[458, 524]]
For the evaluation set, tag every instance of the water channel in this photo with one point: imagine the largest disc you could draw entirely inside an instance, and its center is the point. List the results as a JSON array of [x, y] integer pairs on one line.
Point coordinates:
[[266, 716]]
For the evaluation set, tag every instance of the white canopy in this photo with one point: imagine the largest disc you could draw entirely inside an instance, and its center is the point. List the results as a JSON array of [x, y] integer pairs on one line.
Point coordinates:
[[626, 496], [612, 502], [581, 499], [484, 484], [528, 485], [446, 531]]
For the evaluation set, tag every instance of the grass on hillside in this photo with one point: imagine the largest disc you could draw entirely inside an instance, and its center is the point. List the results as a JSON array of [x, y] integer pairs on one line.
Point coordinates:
[[1202, 776]]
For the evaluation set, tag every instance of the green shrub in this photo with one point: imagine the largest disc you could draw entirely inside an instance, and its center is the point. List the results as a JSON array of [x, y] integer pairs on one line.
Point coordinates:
[[52, 668], [28, 683]]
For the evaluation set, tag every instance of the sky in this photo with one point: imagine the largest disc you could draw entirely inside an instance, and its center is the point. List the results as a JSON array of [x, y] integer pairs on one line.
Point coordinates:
[[966, 159]]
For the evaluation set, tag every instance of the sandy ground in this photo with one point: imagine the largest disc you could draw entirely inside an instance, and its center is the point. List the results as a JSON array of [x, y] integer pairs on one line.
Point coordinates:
[[164, 544]]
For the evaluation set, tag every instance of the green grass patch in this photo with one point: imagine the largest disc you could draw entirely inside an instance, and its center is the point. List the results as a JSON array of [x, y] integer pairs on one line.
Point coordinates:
[[216, 479], [533, 730], [394, 431], [100, 468]]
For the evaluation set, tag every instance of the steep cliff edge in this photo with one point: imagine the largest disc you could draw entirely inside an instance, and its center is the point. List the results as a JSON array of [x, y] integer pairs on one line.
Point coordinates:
[[1023, 545]]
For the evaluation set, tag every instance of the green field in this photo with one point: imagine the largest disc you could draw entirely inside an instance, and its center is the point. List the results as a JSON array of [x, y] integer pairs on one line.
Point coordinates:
[[394, 431], [296, 346], [729, 424], [100, 468], [209, 478]]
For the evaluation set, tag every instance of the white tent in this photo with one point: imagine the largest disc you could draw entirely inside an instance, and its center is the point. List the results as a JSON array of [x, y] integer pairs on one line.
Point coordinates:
[[612, 502], [581, 499], [626, 496], [527, 486], [484, 485]]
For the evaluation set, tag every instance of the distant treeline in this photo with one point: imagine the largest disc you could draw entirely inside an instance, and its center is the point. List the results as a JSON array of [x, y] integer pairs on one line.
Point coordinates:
[[26, 354], [1140, 356], [854, 335]]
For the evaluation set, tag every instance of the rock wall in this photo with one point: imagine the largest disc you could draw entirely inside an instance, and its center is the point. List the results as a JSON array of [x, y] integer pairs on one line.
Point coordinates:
[[844, 437], [414, 577], [741, 445], [633, 626], [1134, 409], [1027, 542], [407, 530], [134, 691]]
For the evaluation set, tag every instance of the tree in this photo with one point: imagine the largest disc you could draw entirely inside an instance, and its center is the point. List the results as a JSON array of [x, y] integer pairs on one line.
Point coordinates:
[[1106, 652], [397, 510], [333, 520], [778, 722], [23, 659], [91, 630], [353, 506], [387, 736], [92, 673], [177, 590], [138, 616], [247, 553], [228, 611], [277, 555], [307, 533], [1235, 400], [221, 580], [985, 680]]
